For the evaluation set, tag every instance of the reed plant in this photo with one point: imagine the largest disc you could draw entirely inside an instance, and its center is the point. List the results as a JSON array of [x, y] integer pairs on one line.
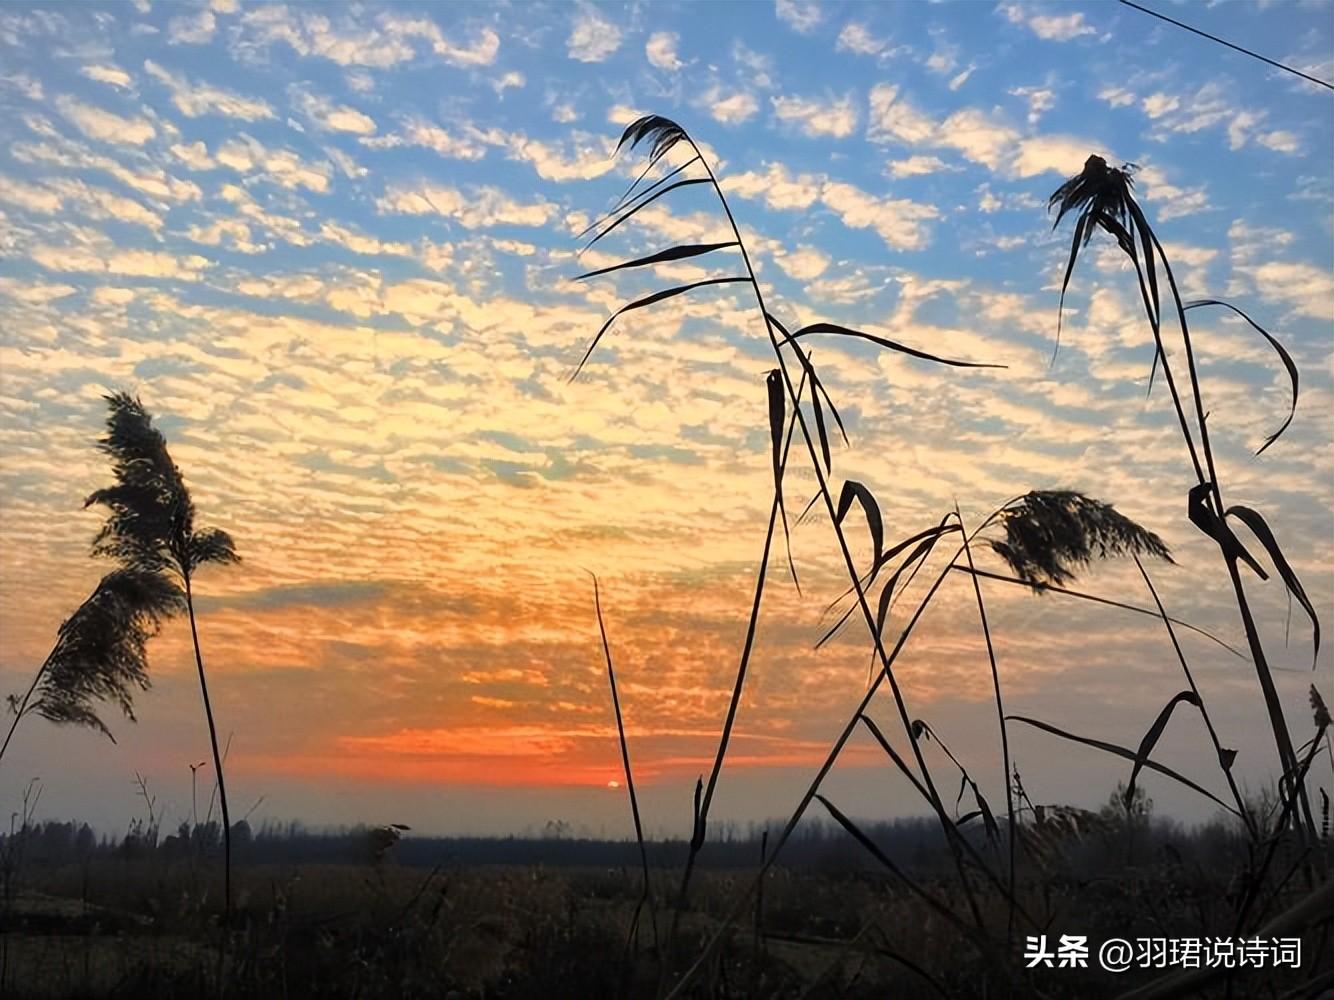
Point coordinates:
[[1046, 538], [150, 529], [1101, 198]]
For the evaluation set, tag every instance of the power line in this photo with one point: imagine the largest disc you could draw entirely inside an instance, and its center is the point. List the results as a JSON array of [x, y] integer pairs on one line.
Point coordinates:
[[1220, 41]]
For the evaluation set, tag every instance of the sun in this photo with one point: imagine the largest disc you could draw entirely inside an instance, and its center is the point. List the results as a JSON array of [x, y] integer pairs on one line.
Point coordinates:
[[613, 783]]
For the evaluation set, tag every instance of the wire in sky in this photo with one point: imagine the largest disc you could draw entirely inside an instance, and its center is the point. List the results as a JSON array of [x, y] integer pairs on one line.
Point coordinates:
[[1215, 38]]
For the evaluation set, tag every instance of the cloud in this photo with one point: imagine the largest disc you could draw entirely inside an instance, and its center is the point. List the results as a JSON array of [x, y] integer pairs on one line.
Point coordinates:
[[1210, 107], [1280, 141], [804, 264], [1040, 100], [835, 117], [661, 50], [281, 226], [1157, 105], [800, 15], [34, 294], [348, 42], [327, 116], [513, 80], [317, 593], [755, 67], [979, 137], [857, 38], [777, 187], [732, 109], [481, 207], [311, 34], [1060, 154], [29, 86], [350, 168], [108, 259], [30, 197], [336, 372], [916, 166], [191, 29], [592, 37], [112, 75], [350, 239], [99, 203], [943, 59], [899, 222], [1176, 201], [895, 117], [1117, 97], [960, 78], [149, 180], [976, 135], [279, 166], [482, 51], [105, 126], [1310, 289], [197, 99], [194, 155], [235, 232], [588, 158], [420, 132], [360, 80], [1052, 28]]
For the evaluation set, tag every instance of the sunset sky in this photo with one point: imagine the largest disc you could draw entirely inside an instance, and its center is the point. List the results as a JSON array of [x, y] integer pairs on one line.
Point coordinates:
[[330, 247]]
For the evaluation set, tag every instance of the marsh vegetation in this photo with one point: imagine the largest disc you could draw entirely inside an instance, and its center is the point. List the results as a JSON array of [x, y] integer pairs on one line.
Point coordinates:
[[869, 909]]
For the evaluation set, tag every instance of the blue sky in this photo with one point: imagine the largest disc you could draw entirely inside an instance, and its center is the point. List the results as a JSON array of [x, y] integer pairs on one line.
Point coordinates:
[[330, 246]]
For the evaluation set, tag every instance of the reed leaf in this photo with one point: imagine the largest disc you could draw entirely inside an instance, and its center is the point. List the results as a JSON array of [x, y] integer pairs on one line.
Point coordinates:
[[1288, 364], [645, 200], [673, 253], [853, 490], [647, 300], [820, 431], [630, 194], [1151, 738], [1202, 515], [924, 540], [777, 424], [843, 331], [1260, 529], [1042, 588], [1124, 753]]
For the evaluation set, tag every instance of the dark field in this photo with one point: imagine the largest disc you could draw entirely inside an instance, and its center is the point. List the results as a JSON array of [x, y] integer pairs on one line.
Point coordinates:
[[323, 916]]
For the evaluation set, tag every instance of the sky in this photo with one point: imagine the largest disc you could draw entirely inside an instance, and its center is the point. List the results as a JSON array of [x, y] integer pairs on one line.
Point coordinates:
[[332, 248]]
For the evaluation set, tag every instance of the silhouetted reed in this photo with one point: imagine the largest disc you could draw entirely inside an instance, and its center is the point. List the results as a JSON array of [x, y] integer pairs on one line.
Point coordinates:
[[150, 528]]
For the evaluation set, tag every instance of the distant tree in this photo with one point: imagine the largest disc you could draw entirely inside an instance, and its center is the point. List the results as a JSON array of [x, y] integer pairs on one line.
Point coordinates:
[[151, 528], [86, 842], [556, 829], [1134, 810]]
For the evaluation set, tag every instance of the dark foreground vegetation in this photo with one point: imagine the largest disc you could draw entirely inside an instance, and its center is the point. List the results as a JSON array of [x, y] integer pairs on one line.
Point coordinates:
[[371, 912]]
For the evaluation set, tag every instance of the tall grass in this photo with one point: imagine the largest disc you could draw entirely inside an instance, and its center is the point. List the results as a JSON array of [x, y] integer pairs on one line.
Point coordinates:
[[1101, 197], [1047, 538], [646, 894], [150, 528]]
